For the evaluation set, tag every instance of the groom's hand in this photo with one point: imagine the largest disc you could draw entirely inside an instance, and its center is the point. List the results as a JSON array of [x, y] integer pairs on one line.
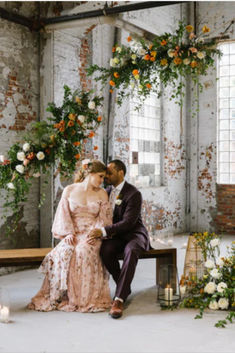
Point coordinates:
[[94, 234]]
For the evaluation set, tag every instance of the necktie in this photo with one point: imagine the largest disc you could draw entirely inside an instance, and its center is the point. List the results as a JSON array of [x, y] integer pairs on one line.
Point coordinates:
[[112, 197]]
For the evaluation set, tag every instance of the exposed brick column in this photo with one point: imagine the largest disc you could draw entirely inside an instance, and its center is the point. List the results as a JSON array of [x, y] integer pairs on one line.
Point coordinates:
[[225, 217]]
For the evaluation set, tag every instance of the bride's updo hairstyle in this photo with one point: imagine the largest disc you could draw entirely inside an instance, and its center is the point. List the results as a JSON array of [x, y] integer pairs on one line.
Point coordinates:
[[88, 167]]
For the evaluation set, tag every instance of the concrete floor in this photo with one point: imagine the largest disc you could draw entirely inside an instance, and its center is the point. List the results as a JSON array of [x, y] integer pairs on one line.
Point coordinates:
[[143, 328]]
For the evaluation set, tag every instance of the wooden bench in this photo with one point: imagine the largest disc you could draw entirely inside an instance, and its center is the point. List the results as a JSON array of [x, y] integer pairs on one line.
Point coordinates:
[[25, 257]]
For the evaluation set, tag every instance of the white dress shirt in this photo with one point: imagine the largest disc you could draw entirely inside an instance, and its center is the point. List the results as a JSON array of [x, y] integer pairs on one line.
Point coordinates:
[[112, 199]]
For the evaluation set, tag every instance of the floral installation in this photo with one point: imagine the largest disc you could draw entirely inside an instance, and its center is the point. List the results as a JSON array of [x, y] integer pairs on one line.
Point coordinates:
[[216, 288], [57, 142], [145, 66]]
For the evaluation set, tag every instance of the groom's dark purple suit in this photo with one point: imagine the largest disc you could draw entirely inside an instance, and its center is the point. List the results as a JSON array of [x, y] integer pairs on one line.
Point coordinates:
[[127, 234]]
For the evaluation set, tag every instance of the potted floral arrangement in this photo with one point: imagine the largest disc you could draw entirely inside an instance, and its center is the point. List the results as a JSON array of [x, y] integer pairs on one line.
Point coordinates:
[[216, 288]]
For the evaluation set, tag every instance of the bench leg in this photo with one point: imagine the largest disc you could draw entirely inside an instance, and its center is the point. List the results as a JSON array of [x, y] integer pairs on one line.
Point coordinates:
[[165, 260]]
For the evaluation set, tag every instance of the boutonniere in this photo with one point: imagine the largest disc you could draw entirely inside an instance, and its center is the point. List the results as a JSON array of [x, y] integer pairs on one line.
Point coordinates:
[[118, 200]]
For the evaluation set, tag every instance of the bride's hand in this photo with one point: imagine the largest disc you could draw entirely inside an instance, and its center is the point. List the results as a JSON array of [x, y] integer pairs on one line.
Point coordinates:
[[94, 235], [71, 240]]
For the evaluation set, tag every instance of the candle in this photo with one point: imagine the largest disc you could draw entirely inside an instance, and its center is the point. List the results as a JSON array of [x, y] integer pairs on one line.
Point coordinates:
[[182, 290], [4, 314], [168, 295]]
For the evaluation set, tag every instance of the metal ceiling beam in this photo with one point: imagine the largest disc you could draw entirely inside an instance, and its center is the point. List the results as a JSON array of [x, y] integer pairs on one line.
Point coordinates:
[[110, 11]]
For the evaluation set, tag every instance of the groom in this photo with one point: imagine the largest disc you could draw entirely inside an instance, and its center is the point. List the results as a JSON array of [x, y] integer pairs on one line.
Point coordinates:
[[126, 235]]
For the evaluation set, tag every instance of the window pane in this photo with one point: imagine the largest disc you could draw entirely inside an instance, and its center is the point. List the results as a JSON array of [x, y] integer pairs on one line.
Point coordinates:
[[224, 124], [224, 178], [224, 114], [224, 103]]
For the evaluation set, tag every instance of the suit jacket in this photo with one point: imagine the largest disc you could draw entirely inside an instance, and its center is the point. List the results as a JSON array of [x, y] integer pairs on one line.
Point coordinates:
[[127, 219]]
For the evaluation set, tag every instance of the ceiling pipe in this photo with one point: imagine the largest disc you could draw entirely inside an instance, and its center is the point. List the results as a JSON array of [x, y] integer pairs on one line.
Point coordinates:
[[13, 17]]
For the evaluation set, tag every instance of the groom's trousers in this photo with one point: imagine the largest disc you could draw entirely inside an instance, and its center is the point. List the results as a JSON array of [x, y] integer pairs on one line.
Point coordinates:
[[131, 245]]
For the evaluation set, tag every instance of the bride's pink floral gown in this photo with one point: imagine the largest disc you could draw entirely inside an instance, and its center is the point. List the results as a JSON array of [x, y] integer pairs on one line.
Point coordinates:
[[75, 278]]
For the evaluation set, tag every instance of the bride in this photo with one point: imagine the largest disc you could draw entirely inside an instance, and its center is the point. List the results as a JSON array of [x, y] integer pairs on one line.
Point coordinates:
[[75, 278]]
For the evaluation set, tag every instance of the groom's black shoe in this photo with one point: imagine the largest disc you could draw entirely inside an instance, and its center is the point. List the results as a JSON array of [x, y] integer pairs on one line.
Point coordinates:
[[116, 309]]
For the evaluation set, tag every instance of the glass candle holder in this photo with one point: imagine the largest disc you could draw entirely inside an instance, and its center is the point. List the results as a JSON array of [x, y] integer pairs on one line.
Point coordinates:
[[168, 286]]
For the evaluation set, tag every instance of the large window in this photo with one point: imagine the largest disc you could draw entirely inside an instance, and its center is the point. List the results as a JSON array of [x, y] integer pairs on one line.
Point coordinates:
[[145, 143], [226, 115]]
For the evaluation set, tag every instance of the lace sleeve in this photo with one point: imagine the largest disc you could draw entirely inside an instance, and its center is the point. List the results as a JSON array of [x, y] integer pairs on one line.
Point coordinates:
[[63, 223]]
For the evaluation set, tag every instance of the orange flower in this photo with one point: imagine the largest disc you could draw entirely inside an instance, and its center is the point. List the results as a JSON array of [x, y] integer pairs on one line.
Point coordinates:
[[78, 100], [189, 28], [113, 49], [163, 62], [91, 134], [201, 291], [95, 148], [152, 58], [148, 85], [163, 42], [72, 116], [116, 75], [77, 156], [193, 64], [150, 47], [177, 61], [61, 129], [135, 72], [77, 143], [52, 138], [112, 83], [73, 132], [70, 123], [147, 57], [99, 118], [205, 29], [47, 150], [111, 91], [31, 156], [153, 53], [129, 38]]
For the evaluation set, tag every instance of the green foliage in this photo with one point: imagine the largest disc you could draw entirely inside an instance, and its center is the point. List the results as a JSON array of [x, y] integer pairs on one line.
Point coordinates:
[[56, 142]]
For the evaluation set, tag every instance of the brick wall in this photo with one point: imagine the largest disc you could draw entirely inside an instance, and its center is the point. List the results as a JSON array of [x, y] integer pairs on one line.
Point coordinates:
[[224, 219]]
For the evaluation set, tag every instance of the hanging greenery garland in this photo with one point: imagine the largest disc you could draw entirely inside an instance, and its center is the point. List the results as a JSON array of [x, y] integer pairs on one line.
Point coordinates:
[[151, 66], [56, 142]]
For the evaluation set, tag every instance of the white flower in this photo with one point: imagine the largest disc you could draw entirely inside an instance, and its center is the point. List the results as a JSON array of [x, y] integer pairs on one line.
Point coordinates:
[[214, 242], [116, 60], [221, 287], [201, 55], [81, 118], [20, 156], [199, 40], [132, 85], [112, 63], [118, 49], [40, 155], [2, 158], [210, 288], [133, 56], [223, 303], [213, 305], [137, 77], [141, 51], [26, 147], [140, 87], [186, 61], [118, 202], [91, 105], [85, 161], [11, 186], [209, 264], [20, 168], [215, 273], [220, 262], [36, 175], [171, 53]]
